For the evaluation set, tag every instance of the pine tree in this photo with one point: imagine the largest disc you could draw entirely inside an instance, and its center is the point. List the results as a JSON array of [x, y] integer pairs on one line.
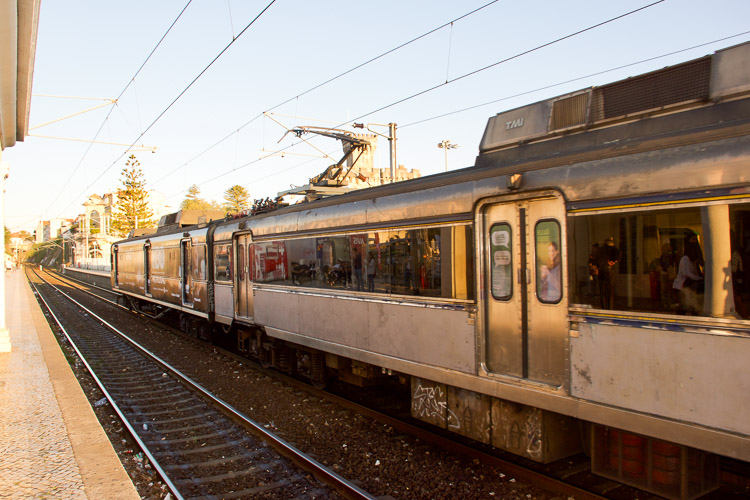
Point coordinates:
[[132, 210], [237, 199], [192, 201]]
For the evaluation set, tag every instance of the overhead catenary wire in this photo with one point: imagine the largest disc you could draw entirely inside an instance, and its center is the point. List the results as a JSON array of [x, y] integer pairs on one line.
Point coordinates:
[[134, 142], [371, 112], [101, 127], [503, 61], [326, 82], [466, 75], [546, 87], [584, 77]]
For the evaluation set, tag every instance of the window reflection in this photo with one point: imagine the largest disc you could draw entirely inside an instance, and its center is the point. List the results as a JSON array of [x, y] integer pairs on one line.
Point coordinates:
[[501, 261], [548, 261], [435, 262], [222, 263], [198, 262], [690, 261]]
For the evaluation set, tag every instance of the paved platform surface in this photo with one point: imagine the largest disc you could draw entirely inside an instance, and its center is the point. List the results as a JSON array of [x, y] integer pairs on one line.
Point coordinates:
[[51, 443]]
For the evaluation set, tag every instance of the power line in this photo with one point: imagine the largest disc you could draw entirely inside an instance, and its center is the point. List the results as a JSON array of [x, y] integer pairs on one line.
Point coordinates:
[[175, 99], [96, 136], [590, 75], [466, 75], [502, 61], [326, 82]]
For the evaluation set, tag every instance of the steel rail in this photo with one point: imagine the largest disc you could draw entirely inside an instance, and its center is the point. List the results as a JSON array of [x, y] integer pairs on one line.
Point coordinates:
[[321, 472], [529, 475], [155, 463]]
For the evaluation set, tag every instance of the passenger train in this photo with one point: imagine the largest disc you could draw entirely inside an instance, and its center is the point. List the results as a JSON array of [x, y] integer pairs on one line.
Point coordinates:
[[584, 284]]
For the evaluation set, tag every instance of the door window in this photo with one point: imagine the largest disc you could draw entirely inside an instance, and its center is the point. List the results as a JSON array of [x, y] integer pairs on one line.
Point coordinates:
[[548, 261], [241, 262], [501, 262]]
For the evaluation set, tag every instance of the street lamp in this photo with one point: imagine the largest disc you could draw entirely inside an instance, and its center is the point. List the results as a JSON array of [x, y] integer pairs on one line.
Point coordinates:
[[391, 141], [446, 144]]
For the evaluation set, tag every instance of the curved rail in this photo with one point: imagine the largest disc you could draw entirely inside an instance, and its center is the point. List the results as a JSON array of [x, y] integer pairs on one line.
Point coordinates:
[[322, 473], [529, 475], [155, 463]]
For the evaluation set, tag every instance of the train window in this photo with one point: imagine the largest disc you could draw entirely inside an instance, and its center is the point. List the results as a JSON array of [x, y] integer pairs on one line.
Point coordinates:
[[501, 259], [690, 260], [548, 261], [223, 262], [426, 261], [241, 262], [198, 262], [270, 262]]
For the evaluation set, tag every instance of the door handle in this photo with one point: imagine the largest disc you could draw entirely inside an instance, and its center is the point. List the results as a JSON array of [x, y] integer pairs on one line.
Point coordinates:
[[521, 273]]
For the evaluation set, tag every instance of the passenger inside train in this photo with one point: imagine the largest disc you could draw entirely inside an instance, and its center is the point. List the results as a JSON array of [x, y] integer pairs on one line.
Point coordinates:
[[675, 261]]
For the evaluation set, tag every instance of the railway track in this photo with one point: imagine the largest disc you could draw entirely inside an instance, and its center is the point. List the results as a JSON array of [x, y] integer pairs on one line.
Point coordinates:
[[199, 445], [570, 479], [511, 470]]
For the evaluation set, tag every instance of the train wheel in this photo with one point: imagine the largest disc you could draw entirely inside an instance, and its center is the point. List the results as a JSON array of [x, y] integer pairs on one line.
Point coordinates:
[[205, 332], [264, 357], [319, 384], [318, 371]]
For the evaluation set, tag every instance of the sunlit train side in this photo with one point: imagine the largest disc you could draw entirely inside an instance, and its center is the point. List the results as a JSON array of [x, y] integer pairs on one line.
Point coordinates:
[[530, 293], [169, 270]]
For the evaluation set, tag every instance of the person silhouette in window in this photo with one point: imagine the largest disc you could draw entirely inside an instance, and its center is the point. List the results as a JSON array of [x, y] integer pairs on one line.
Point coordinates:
[[551, 274]]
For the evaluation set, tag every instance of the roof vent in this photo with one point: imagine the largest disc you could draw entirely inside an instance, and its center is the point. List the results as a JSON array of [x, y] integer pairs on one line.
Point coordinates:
[[569, 111], [680, 84]]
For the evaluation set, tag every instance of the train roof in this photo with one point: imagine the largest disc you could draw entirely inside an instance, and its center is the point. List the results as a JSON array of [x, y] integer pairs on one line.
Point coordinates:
[[693, 83]]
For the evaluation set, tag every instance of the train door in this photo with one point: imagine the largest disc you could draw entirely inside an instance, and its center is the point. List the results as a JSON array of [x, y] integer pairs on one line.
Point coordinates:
[[147, 268], [115, 265], [187, 274], [243, 261], [525, 288]]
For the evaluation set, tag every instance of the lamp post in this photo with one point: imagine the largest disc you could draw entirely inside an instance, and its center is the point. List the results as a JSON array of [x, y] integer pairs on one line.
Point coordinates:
[[391, 141], [446, 144]]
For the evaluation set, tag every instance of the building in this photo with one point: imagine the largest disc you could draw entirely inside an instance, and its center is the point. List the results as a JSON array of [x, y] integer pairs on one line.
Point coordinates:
[[47, 230], [364, 174], [91, 236]]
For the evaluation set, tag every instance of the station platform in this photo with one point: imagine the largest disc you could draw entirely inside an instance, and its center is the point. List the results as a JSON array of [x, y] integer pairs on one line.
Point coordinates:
[[51, 443]]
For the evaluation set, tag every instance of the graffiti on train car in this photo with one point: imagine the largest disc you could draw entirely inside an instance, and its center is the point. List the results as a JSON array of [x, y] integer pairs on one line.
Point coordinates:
[[429, 403]]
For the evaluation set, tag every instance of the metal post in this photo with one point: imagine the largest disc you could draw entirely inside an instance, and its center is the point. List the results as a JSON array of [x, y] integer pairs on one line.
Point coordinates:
[[5, 345], [446, 144], [392, 144], [391, 141]]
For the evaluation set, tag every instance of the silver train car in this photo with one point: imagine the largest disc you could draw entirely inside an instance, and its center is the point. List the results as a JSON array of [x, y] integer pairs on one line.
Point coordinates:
[[585, 278]]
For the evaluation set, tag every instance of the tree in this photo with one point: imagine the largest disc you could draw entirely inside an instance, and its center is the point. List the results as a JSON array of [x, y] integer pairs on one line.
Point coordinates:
[[132, 210], [237, 199], [24, 235], [193, 202]]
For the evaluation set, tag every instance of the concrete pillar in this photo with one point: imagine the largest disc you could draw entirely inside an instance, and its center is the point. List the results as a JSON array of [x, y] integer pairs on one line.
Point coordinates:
[[719, 297], [4, 333]]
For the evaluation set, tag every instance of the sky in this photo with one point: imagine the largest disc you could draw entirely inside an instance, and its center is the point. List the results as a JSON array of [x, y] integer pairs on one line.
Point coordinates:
[[214, 94]]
